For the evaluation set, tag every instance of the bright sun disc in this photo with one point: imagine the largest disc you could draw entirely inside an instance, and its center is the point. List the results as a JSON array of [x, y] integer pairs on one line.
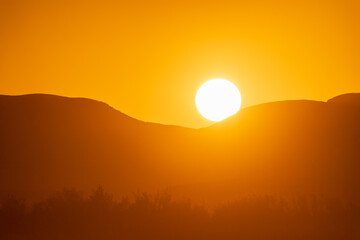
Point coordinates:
[[218, 99]]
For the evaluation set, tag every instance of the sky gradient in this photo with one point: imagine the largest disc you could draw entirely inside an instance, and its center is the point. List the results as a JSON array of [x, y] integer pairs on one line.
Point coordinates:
[[148, 58]]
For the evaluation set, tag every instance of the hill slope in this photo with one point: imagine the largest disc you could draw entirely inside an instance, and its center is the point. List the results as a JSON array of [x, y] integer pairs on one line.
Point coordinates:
[[50, 142]]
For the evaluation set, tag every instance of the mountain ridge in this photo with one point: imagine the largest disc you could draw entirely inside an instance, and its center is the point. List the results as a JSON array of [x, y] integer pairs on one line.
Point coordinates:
[[50, 142], [347, 98]]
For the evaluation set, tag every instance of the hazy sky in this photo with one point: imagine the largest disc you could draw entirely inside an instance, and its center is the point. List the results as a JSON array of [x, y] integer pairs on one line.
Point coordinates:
[[148, 58]]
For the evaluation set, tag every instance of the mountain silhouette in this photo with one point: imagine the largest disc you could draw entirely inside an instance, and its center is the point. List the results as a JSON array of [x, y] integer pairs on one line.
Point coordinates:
[[49, 142]]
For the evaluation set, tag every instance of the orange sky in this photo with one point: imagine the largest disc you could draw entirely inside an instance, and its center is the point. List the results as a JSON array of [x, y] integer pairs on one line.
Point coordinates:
[[148, 58]]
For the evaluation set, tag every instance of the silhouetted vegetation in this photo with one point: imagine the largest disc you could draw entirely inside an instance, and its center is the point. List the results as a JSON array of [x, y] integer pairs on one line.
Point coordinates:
[[70, 215]]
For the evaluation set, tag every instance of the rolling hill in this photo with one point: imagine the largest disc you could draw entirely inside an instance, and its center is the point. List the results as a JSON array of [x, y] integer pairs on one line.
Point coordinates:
[[49, 142]]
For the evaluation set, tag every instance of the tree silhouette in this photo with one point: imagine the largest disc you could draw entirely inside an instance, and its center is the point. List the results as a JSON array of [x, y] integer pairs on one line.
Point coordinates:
[[70, 215]]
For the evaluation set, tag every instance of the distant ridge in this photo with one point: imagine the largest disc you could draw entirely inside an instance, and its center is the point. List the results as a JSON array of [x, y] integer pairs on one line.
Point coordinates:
[[50, 142], [47, 99], [348, 99]]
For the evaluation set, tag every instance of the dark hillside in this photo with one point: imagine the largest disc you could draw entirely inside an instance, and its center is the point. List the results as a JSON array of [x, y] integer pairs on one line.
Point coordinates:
[[290, 147]]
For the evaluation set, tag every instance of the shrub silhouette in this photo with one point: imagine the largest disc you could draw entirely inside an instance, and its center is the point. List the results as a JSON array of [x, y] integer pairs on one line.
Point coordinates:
[[70, 215]]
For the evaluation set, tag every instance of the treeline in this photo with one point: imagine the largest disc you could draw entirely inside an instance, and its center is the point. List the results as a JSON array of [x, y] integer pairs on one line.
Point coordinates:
[[70, 215]]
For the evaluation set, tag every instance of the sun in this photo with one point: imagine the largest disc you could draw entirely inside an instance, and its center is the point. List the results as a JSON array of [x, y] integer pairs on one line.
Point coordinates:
[[218, 99]]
